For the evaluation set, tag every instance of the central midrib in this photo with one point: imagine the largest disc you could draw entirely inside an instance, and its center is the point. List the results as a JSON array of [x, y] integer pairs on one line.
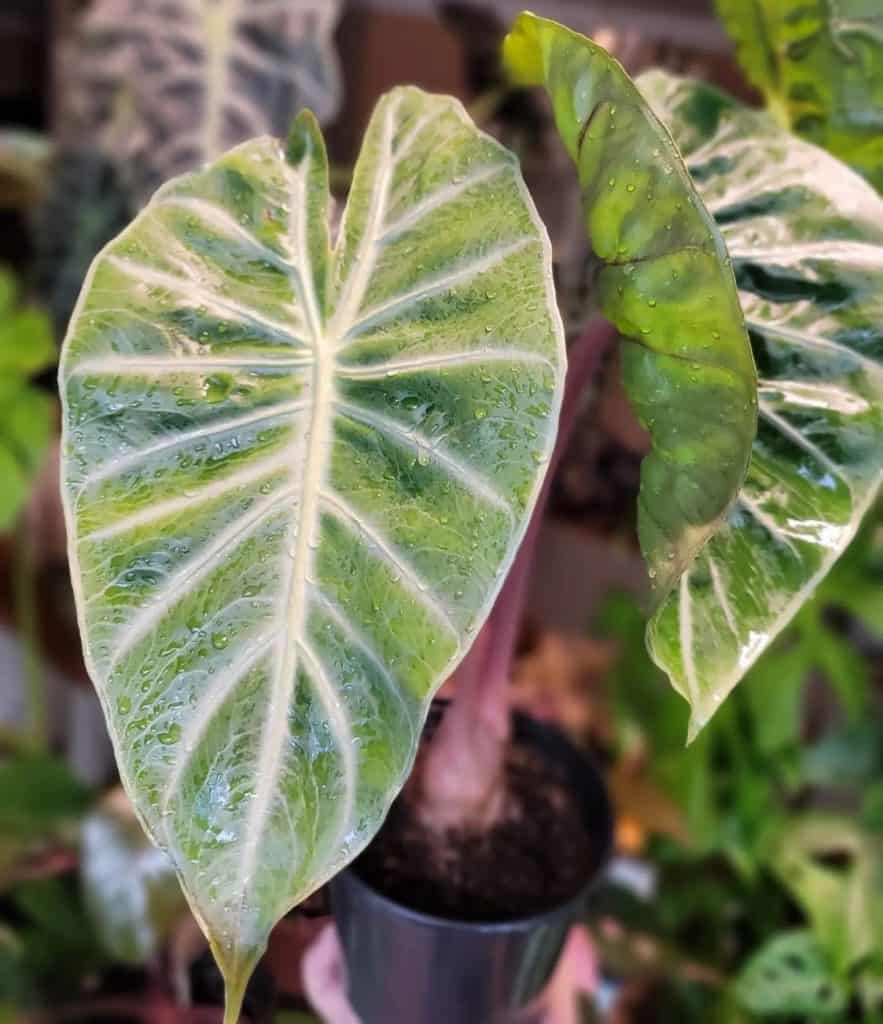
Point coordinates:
[[301, 536], [318, 441]]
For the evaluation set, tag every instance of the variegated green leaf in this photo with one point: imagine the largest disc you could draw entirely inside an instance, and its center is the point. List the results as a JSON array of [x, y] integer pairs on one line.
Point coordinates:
[[664, 281], [790, 976], [819, 64], [295, 476], [806, 237], [165, 85]]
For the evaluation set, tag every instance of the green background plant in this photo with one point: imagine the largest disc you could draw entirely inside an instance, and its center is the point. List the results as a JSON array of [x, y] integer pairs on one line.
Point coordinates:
[[26, 348], [819, 65]]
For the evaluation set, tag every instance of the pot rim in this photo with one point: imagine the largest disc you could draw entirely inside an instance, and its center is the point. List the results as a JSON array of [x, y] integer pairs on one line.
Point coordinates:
[[521, 721], [349, 877]]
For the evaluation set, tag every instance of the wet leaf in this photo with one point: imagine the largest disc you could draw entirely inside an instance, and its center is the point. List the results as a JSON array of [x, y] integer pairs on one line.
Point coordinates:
[[664, 281], [805, 234], [295, 477]]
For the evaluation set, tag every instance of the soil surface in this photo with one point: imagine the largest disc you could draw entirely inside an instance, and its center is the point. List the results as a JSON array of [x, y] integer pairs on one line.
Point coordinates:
[[537, 857]]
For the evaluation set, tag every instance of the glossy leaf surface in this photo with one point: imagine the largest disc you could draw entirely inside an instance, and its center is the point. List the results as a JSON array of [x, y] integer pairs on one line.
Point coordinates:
[[295, 477], [664, 281], [163, 86], [819, 64], [806, 237]]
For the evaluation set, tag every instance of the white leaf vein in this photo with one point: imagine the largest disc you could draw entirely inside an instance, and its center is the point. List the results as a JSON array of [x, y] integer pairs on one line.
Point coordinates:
[[189, 574], [114, 467], [455, 468], [192, 500], [209, 705], [418, 587], [376, 371], [358, 639], [459, 275]]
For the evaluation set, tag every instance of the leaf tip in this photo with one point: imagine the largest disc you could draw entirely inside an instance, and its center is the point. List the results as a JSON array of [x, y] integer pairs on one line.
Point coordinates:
[[521, 52], [698, 721], [304, 137], [703, 707]]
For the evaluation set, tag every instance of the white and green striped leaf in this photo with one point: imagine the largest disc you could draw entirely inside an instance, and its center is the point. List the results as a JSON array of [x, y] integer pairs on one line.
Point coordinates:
[[805, 235], [165, 85], [296, 471]]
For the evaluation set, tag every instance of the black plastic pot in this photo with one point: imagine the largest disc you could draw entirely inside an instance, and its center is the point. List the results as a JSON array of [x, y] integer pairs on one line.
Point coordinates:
[[408, 967]]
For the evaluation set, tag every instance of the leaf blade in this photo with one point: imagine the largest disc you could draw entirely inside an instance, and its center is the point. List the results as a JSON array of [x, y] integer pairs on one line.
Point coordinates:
[[294, 479], [806, 237], [663, 281]]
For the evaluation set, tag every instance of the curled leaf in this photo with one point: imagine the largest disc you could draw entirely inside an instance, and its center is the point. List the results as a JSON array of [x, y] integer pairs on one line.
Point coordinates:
[[664, 281]]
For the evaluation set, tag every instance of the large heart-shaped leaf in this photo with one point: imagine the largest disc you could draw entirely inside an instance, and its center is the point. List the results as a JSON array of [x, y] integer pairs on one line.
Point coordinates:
[[165, 85], [663, 279], [805, 235], [295, 477], [819, 65]]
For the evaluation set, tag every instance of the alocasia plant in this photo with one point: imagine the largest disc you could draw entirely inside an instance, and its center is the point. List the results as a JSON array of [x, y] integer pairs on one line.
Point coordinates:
[[805, 235], [295, 475], [297, 468]]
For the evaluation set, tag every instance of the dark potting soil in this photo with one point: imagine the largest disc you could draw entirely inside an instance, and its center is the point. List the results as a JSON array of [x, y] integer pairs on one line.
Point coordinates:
[[537, 857]]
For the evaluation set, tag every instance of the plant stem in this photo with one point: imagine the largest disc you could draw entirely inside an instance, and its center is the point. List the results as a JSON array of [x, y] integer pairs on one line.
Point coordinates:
[[461, 783], [24, 585]]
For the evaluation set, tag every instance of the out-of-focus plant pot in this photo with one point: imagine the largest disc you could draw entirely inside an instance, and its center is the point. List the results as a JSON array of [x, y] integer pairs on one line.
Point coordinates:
[[406, 966]]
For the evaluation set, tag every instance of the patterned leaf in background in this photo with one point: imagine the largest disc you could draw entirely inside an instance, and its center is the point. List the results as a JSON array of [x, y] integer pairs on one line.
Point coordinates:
[[806, 237], [295, 478], [165, 85], [819, 64], [152, 88]]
